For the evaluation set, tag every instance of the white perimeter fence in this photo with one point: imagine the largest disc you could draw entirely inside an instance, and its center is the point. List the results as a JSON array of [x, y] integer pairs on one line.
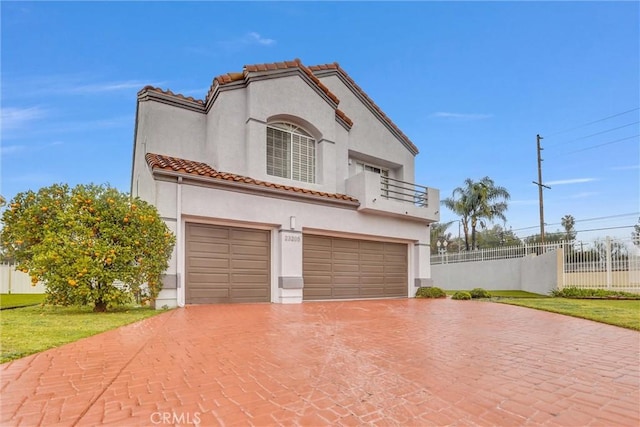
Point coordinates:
[[17, 282], [612, 264]]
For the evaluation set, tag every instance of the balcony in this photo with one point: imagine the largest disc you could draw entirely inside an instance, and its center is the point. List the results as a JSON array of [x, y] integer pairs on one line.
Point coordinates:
[[382, 195]]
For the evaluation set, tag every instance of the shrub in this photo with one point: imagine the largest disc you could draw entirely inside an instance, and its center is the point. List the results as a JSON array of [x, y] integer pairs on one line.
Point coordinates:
[[479, 293], [573, 292], [461, 295], [430, 292]]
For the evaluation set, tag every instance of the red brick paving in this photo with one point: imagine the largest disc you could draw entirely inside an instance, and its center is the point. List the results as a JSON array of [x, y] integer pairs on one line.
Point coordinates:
[[387, 363]]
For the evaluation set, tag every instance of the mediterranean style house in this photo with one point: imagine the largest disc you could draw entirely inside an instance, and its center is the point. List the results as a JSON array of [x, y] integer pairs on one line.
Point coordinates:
[[286, 183]]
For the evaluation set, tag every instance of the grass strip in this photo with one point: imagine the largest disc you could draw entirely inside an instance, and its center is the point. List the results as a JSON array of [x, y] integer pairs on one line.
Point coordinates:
[[30, 330], [623, 313], [20, 300]]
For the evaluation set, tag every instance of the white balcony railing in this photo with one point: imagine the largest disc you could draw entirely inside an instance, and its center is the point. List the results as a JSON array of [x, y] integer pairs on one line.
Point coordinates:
[[388, 196], [403, 191]]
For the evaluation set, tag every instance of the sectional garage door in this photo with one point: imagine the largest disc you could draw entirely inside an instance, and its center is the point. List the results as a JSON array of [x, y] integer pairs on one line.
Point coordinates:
[[226, 264], [338, 268]]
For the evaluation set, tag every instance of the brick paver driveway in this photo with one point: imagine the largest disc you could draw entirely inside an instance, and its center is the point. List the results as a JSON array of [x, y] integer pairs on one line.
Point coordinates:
[[391, 362]]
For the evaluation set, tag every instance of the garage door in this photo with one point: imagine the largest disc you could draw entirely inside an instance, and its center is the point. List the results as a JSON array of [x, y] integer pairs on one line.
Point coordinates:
[[226, 264], [336, 268]]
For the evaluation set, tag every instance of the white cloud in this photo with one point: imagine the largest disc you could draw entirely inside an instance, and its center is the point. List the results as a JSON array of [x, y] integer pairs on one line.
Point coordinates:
[[249, 39], [257, 38], [109, 86], [15, 118], [68, 84], [583, 195], [197, 93], [570, 181], [50, 128], [461, 116], [7, 150], [625, 168]]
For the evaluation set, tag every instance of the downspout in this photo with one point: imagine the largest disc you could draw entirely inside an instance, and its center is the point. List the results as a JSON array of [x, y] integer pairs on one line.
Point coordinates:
[[180, 291]]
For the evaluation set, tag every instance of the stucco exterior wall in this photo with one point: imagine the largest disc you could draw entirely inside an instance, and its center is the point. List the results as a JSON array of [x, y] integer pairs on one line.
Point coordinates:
[[166, 129], [369, 138], [503, 274], [541, 274], [537, 274], [218, 206], [226, 148]]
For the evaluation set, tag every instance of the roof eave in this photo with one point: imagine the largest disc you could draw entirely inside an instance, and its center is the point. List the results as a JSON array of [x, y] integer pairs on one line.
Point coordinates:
[[342, 75], [253, 189]]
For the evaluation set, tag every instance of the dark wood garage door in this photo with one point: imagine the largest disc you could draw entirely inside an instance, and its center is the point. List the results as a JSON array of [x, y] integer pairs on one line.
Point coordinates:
[[226, 264], [336, 268]]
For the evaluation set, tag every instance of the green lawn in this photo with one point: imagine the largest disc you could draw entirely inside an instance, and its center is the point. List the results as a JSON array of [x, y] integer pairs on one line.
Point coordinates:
[[20, 300], [624, 313], [30, 330]]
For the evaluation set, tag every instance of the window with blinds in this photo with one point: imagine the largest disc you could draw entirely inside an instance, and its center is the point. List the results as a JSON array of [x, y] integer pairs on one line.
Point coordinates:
[[291, 152]]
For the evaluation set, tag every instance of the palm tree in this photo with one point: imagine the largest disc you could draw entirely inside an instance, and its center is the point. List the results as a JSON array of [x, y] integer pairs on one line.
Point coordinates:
[[568, 222], [459, 204], [476, 202]]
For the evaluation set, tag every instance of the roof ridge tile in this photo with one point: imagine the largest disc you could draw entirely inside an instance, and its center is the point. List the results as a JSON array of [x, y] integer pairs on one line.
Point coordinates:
[[170, 93], [272, 66]]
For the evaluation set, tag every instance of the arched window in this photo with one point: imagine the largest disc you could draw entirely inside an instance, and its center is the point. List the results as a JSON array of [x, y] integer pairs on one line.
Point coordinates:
[[291, 152]]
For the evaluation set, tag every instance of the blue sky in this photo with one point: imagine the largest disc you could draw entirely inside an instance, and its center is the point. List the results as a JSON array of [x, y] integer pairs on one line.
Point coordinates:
[[471, 84]]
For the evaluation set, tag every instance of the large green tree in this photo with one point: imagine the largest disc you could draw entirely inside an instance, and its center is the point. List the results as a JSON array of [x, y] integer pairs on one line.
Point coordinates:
[[497, 236], [477, 202], [553, 237], [88, 244]]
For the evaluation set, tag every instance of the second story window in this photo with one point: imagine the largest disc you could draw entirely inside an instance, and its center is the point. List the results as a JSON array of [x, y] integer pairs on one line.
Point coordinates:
[[291, 152]]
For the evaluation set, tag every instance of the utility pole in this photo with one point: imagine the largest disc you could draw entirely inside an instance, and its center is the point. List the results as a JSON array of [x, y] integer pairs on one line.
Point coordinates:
[[540, 185]]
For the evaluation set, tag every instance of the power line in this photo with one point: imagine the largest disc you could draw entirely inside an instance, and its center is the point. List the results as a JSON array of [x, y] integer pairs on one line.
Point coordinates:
[[607, 217], [605, 228], [584, 220], [592, 122], [603, 144], [595, 134]]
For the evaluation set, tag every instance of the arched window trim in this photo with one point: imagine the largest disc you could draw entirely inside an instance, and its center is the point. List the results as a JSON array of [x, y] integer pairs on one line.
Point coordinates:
[[291, 127], [291, 152]]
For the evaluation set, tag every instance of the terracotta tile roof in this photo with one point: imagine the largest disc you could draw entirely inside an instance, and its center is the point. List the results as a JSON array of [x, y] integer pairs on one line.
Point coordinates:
[[190, 167], [336, 66], [229, 77], [296, 63], [169, 92], [344, 117]]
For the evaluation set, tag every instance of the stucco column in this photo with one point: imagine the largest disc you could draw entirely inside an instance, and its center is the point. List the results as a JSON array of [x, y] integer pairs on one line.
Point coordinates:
[[290, 282], [422, 256]]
